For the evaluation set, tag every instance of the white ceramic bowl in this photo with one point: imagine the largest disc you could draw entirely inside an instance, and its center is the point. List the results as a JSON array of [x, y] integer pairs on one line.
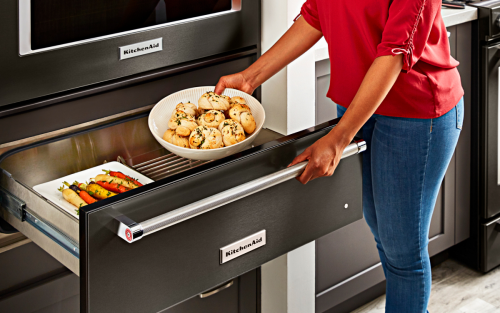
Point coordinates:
[[162, 112]]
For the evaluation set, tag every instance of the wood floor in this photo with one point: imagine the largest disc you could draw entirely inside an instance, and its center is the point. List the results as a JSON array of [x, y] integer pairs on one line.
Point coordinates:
[[455, 289]]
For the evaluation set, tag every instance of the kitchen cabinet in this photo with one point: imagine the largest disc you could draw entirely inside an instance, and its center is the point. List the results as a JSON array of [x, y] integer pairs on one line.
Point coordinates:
[[347, 261]]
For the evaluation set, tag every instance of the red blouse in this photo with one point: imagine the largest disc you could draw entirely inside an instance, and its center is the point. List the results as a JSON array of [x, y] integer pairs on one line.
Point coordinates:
[[358, 31]]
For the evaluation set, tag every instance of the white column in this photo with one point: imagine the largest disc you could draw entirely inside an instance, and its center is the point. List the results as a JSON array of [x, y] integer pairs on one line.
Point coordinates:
[[288, 282]]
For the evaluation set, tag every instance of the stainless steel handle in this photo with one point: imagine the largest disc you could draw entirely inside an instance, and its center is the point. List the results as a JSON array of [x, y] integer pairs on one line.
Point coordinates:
[[495, 222], [132, 231], [216, 290]]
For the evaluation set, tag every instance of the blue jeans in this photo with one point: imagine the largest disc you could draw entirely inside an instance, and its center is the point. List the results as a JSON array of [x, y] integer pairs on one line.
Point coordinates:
[[403, 168]]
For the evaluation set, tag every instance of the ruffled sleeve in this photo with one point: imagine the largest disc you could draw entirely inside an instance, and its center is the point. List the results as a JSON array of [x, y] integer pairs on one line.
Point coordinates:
[[407, 29], [309, 12]]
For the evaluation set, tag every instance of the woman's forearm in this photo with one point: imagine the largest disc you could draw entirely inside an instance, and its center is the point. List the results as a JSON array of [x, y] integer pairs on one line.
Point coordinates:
[[297, 40], [324, 155], [376, 84]]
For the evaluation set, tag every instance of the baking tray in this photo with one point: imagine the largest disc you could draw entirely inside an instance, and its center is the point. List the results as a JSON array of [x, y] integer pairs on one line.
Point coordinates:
[[49, 190]]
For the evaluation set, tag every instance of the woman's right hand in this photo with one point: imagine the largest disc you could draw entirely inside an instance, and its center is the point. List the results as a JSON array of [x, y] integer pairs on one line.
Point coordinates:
[[235, 81]]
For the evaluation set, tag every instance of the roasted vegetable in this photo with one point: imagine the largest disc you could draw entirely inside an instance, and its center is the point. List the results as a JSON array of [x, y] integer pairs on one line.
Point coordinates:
[[82, 193], [122, 176], [114, 187], [73, 187], [120, 181], [87, 197], [98, 192], [72, 197], [82, 186]]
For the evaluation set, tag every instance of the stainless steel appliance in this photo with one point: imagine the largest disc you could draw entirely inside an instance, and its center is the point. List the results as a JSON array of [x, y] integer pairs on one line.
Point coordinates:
[[482, 249], [69, 103], [54, 46]]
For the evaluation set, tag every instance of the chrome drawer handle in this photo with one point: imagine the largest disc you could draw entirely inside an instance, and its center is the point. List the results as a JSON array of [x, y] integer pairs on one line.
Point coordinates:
[[131, 231], [216, 290]]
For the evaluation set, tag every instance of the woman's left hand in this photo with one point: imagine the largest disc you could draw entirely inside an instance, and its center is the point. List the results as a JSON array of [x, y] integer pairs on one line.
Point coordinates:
[[324, 156]]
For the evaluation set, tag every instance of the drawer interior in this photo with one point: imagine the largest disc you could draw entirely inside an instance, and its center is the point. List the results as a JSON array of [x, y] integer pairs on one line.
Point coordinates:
[[128, 141]]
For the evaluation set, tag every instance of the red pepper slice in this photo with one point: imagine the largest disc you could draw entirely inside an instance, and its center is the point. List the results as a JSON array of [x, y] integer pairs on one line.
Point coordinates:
[[114, 187], [122, 176]]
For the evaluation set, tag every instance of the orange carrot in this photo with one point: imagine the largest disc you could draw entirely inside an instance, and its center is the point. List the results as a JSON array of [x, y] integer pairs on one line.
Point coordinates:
[[86, 197]]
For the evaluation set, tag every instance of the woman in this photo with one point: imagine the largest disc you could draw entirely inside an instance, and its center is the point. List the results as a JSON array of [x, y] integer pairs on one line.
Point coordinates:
[[392, 76]]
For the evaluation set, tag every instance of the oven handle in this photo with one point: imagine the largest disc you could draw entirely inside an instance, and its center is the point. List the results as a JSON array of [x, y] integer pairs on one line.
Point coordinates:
[[131, 231]]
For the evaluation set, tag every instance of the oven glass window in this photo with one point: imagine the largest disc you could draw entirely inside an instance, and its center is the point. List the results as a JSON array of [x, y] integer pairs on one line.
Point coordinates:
[[56, 22]]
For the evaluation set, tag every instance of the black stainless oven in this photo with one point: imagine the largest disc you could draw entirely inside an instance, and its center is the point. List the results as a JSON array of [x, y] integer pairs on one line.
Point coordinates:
[[54, 46]]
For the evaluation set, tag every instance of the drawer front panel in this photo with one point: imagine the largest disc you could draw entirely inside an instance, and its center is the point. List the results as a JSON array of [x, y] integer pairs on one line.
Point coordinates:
[[181, 261], [491, 245]]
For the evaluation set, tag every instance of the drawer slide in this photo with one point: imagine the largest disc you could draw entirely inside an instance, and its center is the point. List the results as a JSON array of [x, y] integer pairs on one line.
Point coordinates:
[[17, 208]]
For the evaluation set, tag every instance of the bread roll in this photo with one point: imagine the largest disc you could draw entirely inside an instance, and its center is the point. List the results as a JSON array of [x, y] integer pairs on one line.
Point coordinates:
[[211, 118], [232, 132], [232, 102], [171, 136], [189, 108], [242, 114], [182, 123], [202, 111], [205, 138], [212, 101], [237, 99]]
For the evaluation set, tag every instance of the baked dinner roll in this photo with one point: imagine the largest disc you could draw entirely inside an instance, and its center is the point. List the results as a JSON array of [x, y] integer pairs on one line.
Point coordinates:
[[211, 118], [205, 138], [232, 132], [212, 101], [232, 102], [202, 111], [189, 108], [182, 122], [242, 114], [171, 136], [237, 99]]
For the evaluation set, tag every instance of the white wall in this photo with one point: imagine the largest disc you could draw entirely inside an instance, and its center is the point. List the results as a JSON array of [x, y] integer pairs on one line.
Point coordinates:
[[274, 96], [289, 96]]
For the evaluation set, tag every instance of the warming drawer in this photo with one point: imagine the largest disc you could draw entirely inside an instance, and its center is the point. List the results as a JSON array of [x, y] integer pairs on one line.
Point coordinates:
[[155, 246]]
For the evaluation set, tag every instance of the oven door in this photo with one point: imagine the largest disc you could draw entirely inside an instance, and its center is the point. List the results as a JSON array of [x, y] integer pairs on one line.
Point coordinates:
[[50, 47], [199, 225], [490, 196]]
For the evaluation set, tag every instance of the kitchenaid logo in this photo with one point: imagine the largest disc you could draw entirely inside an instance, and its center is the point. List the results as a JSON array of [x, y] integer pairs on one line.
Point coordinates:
[[131, 51], [242, 246], [141, 48]]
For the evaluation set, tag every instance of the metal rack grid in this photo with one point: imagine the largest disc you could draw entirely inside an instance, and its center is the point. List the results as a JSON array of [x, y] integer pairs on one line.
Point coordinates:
[[165, 166]]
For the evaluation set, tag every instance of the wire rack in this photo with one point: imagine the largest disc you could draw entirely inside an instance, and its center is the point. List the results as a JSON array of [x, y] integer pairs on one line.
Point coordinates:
[[165, 166]]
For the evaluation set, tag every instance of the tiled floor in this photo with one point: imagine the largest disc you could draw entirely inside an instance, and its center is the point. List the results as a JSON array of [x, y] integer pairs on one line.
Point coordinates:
[[455, 289]]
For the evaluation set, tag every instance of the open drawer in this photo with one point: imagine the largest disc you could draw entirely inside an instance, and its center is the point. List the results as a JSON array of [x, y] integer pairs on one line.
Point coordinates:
[[183, 219]]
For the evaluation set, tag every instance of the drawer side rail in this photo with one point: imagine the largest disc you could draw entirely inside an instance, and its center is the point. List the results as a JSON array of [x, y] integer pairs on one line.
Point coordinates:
[[17, 208]]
